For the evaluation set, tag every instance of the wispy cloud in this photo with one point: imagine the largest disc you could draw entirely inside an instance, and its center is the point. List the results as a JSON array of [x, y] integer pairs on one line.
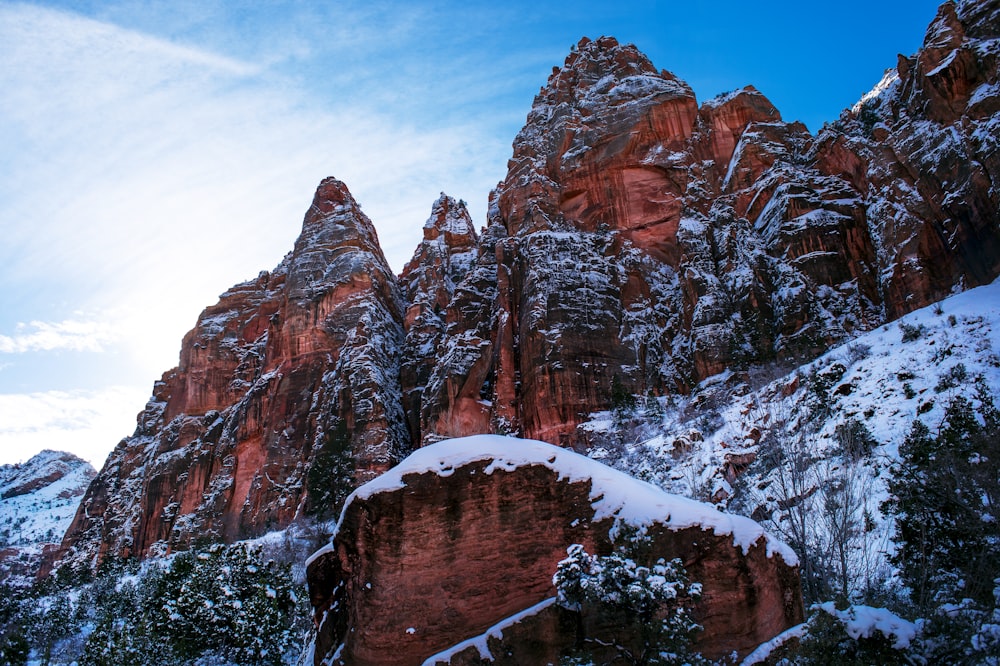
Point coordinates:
[[147, 177], [69, 335], [88, 423], [165, 151]]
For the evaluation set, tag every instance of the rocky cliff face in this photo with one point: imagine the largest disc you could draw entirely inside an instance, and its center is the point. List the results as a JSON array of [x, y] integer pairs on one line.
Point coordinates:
[[291, 378], [639, 240], [467, 533], [640, 236], [923, 151], [441, 263]]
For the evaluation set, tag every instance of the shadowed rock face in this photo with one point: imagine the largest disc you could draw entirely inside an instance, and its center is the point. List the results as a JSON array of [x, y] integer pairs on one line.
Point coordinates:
[[442, 262], [640, 236], [422, 564], [283, 369], [923, 149]]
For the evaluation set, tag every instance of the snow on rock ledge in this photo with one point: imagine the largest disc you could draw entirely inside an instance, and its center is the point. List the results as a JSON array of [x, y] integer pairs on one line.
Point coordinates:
[[467, 532]]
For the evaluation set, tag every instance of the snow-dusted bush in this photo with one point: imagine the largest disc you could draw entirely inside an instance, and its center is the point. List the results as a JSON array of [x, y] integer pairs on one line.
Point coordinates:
[[224, 605], [224, 600], [854, 439], [40, 624], [856, 635], [911, 332], [649, 605]]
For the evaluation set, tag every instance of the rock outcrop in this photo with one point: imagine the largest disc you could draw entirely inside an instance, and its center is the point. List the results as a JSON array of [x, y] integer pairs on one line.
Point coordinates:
[[290, 378], [441, 263], [923, 149], [467, 533]]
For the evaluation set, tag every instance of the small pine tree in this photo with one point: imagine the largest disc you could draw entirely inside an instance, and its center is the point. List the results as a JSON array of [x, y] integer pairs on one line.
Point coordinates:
[[854, 439], [944, 496], [331, 475], [622, 401], [650, 605], [653, 410], [14, 647]]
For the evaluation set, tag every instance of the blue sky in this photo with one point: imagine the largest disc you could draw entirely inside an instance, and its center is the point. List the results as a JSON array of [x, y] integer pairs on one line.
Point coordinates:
[[155, 153]]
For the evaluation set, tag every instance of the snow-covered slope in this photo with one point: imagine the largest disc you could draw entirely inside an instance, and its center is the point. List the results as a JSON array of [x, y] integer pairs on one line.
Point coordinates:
[[770, 447], [38, 499]]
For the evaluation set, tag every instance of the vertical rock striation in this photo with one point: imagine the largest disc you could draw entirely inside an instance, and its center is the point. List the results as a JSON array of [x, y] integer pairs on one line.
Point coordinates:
[[641, 237], [442, 261], [638, 241], [288, 375]]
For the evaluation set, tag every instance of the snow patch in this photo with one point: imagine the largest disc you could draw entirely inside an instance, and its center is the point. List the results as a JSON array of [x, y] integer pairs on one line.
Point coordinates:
[[481, 642], [889, 80], [763, 651], [864, 621]]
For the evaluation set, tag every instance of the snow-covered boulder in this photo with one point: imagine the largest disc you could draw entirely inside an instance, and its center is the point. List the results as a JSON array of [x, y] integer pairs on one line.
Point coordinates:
[[467, 533]]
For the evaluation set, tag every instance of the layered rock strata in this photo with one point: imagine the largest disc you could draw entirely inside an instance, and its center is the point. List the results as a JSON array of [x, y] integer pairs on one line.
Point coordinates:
[[289, 378], [641, 237], [467, 533]]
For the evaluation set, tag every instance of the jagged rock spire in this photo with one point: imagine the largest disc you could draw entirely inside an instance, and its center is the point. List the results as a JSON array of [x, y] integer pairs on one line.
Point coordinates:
[[289, 375]]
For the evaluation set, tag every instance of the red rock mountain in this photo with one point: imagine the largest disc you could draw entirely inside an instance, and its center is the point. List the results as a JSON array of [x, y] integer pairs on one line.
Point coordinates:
[[38, 499], [293, 371], [639, 238]]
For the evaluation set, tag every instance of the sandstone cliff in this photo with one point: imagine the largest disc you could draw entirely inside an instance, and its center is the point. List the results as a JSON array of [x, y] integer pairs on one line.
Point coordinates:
[[638, 240], [294, 373], [640, 236], [466, 533]]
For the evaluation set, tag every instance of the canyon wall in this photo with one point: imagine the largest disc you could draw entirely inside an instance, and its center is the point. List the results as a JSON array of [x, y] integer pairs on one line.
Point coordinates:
[[639, 240]]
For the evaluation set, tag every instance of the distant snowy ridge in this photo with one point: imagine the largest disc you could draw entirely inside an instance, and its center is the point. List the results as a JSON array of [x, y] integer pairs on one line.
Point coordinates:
[[39, 497], [38, 500]]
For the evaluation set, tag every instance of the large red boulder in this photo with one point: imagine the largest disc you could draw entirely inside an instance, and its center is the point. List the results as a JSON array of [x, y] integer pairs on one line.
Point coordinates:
[[465, 535]]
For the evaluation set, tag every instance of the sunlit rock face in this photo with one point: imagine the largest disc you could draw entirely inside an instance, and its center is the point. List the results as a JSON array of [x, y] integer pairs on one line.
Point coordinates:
[[300, 363], [467, 533]]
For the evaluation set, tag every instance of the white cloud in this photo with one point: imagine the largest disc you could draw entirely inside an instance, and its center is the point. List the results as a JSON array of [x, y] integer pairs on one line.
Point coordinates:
[[70, 335], [86, 423]]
